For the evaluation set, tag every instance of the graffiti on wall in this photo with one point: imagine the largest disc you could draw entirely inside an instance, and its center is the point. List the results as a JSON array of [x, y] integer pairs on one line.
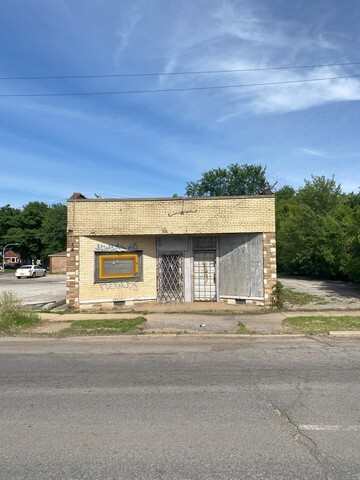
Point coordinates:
[[116, 247], [119, 286]]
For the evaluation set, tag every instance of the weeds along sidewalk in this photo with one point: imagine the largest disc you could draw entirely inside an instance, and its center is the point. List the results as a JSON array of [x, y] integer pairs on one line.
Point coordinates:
[[279, 322]]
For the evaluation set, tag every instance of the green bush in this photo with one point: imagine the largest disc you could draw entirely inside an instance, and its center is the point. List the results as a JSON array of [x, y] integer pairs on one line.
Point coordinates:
[[278, 295]]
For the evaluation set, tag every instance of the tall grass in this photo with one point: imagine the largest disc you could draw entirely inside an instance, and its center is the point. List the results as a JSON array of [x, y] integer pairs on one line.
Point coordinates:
[[13, 317]]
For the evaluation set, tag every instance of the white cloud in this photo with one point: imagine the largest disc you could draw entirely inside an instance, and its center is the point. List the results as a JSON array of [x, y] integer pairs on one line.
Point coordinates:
[[312, 152], [234, 35], [128, 22], [301, 96]]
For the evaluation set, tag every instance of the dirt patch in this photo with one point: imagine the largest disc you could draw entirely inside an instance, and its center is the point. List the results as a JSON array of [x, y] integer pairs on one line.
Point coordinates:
[[52, 327]]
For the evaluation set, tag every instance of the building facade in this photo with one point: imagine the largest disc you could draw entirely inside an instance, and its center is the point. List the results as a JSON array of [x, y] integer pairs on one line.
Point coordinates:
[[12, 258], [58, 262], [126, 251]]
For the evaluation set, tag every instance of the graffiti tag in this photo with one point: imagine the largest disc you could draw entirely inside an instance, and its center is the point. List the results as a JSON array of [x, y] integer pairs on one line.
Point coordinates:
[[119, 286], [117, 247]]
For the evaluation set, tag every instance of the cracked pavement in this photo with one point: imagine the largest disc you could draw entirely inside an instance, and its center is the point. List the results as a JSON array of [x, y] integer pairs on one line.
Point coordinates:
[[179, 408]]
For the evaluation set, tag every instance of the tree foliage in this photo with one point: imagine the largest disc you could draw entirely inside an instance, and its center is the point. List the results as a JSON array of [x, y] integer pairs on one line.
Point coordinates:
[[317, 225], [38, 228], [53, 230], [320, 194], [318, 230], [234, 180]]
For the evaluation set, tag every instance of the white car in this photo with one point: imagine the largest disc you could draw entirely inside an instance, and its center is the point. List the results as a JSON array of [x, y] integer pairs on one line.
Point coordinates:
[[30, 271]]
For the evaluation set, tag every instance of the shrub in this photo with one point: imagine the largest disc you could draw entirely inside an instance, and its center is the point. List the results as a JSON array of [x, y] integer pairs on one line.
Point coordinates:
[[278, 295]]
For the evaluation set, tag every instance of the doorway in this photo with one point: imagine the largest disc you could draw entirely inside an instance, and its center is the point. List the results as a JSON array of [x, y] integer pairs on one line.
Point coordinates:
[[205, 276]]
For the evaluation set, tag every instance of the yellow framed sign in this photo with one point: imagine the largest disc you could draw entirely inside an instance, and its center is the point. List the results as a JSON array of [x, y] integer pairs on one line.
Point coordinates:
[[118, 266]]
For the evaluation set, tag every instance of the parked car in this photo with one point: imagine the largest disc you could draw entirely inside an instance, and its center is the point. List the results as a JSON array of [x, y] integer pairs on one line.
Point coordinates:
[[30, 271], [7, 266]]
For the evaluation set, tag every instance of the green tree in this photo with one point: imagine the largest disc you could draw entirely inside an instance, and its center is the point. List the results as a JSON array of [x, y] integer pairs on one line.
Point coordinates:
[[53, 230], [320, 194], [9, 218], [284, 194], [352, 261], [39, 229], [297, 239], [312, 226], [28, 231], [234, 180]]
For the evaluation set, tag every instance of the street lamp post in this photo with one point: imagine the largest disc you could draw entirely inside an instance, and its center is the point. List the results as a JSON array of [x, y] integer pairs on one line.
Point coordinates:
[[3, 253]]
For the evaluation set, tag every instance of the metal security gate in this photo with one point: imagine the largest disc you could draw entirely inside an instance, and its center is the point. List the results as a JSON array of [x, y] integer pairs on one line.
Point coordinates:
[[170, 278], [205, 276]]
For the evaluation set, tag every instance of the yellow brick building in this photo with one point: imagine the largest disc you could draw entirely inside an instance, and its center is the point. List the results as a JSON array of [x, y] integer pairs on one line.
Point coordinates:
[[126, 251]]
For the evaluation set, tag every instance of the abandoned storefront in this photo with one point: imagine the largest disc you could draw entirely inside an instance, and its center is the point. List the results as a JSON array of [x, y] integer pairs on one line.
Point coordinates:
[[126, 251]]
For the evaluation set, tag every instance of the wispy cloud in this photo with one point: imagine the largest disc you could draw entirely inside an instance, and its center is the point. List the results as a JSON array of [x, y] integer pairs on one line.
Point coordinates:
[[301, 96], [312, 152], [151, 144], [128, 20], [236, 35]]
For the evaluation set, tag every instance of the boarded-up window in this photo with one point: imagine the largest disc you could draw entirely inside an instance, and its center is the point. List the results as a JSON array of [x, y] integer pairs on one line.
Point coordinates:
[[110, 267], [241, 265]]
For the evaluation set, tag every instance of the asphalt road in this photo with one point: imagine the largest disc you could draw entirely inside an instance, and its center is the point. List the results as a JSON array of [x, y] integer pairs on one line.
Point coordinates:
[[336, 294], [179, 408]]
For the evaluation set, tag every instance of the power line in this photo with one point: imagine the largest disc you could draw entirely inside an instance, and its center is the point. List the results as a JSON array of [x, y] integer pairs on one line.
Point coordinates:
[[185, 89], [200, 72]]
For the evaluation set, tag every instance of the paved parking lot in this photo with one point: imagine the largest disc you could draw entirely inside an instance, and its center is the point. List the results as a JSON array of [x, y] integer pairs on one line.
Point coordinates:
[[35, 291], [334, 294]]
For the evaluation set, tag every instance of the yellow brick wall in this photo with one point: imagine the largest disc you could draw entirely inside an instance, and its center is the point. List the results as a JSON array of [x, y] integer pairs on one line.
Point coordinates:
[[270, 275], [172, 216], [91, 291]]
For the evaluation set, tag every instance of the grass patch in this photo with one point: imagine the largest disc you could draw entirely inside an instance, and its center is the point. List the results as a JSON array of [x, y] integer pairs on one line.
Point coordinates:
[[13, 318], [243, 329], [15, 322], [299, 298], [104, 327], [320, 324]]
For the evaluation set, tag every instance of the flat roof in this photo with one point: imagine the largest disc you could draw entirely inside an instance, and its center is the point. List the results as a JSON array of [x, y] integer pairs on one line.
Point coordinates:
[[165, 199]]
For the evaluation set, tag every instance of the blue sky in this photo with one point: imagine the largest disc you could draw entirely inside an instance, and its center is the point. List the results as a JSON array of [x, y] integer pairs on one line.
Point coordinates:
[[152, 144]]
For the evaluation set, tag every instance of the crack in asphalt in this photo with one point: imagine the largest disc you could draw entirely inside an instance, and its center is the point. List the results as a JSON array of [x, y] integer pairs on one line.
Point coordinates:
[[298, 399], [328, 346], [296, 434], [322, 340], [291, 427]]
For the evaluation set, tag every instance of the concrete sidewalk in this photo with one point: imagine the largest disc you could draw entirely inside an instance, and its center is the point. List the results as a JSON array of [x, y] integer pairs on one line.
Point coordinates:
[[189, 322]]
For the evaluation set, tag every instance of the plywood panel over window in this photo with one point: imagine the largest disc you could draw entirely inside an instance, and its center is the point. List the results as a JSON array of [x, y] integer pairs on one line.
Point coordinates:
[[241, 265], [118, 266]]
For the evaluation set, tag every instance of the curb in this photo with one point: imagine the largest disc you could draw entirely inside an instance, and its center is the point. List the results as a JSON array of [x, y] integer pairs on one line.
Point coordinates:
[[155, 335], [344, 333], [151, 336], [40, 306]]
